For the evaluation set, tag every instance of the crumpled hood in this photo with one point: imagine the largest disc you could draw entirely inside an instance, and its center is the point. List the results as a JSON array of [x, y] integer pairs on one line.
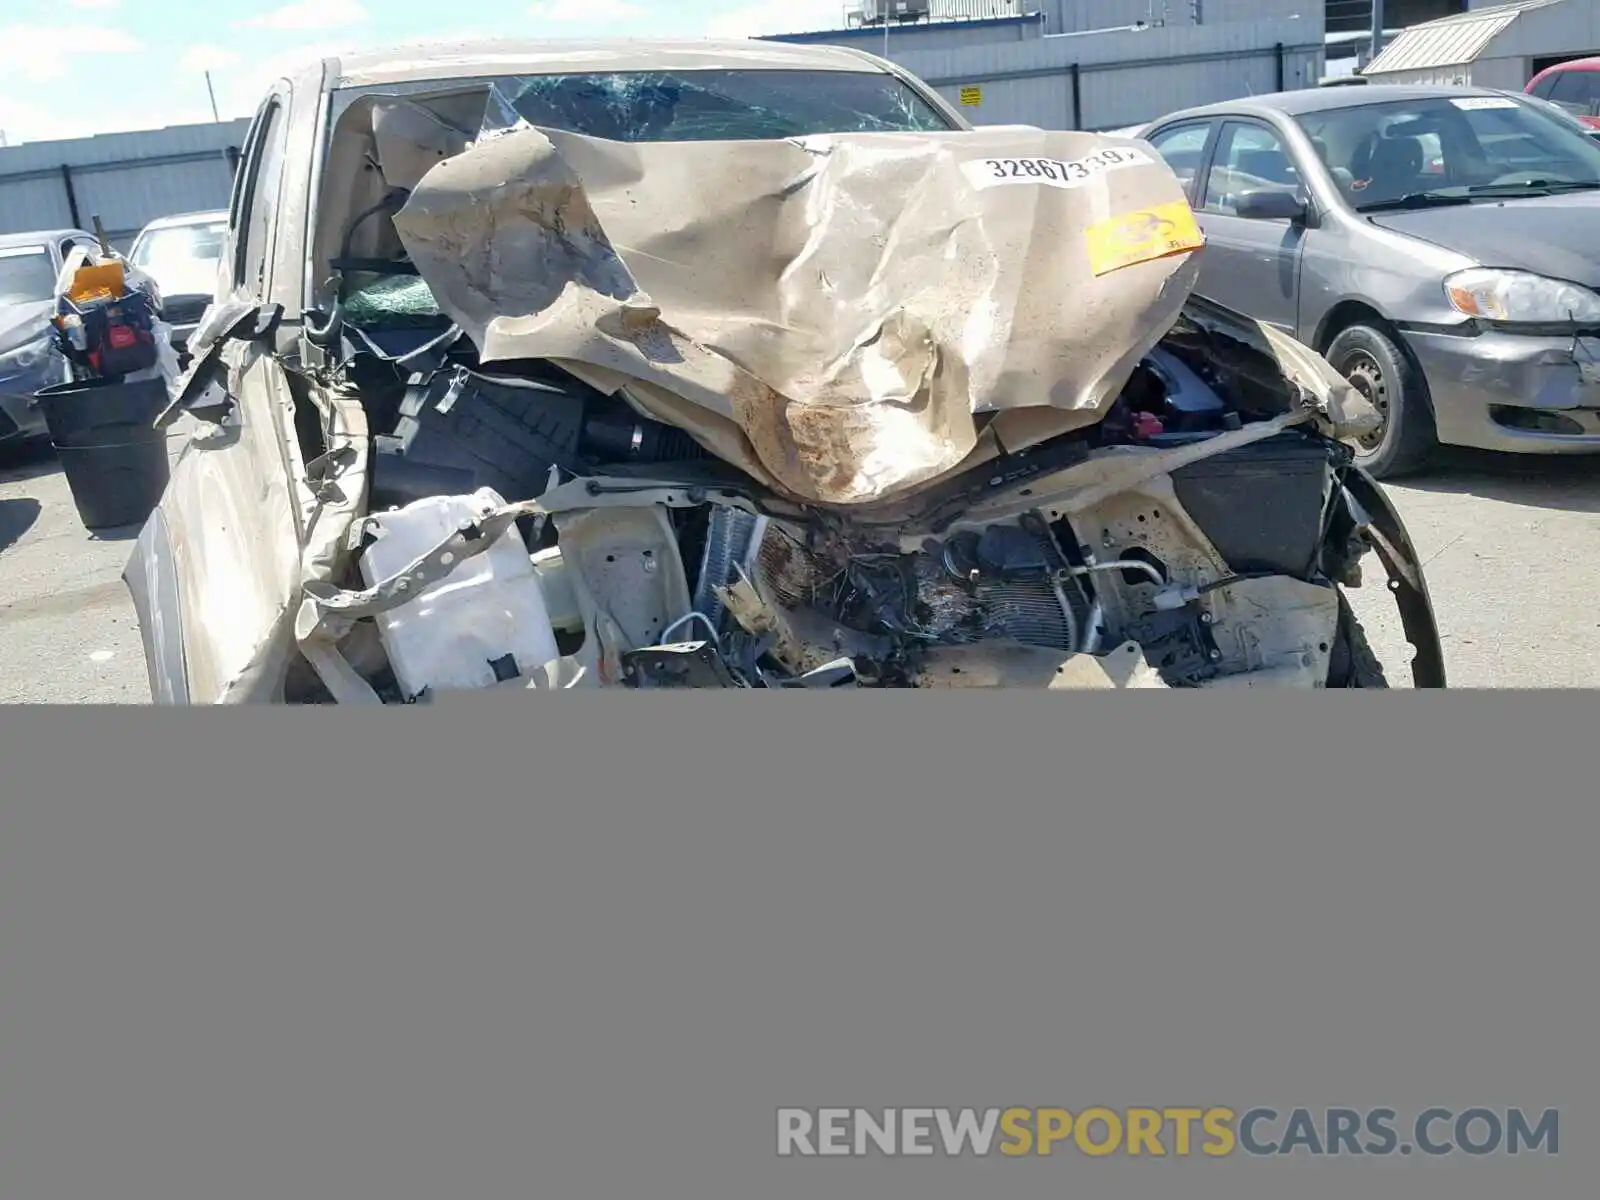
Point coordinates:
[[22, 324], [853, 304]]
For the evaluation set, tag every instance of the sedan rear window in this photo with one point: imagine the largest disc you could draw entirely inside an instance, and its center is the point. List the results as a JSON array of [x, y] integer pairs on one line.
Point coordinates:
[[1577, 91]]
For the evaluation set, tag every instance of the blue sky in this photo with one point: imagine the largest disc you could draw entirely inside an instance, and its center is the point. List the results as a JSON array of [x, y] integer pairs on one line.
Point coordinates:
[[69, 68]]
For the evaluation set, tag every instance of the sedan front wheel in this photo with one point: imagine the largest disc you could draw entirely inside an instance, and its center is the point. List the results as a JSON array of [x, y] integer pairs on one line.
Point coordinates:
[[1380, 370]]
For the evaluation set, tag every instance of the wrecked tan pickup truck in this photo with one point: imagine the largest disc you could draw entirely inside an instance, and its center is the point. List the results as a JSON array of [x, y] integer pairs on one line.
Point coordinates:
[[735, 365]]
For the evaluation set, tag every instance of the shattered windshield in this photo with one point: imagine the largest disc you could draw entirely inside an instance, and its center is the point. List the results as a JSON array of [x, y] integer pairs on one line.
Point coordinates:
[[694, 106], [667, 106]]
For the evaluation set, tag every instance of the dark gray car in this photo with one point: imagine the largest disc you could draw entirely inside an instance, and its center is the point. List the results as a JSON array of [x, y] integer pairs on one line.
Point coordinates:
[[1440, 245], [29, 264]]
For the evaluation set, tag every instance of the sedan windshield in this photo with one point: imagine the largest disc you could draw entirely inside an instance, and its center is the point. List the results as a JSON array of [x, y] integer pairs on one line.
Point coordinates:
[[690, 106], [1451, 149], [26, 275]]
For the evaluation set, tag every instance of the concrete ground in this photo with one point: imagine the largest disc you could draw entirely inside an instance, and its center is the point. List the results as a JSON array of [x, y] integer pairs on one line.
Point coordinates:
[[68, 634], [1512, 549]]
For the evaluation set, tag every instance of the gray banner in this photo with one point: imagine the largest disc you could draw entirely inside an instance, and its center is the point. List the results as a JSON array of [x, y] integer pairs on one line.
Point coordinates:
[[590, 946]]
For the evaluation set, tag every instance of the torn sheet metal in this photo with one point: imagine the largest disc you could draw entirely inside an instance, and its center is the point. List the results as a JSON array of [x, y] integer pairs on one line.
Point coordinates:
[[1282, 629], [1013, 665], [853, 304], [1278, 362]]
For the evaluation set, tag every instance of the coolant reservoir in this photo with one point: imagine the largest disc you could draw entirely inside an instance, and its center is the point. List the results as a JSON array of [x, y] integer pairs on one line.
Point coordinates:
[[485, 622]]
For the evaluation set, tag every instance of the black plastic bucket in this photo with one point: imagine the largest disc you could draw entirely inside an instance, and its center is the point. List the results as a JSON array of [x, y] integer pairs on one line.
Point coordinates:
[[115, 460]]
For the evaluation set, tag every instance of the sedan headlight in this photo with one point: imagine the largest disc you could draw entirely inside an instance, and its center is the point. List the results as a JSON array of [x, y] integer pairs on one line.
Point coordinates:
[[1521, 297], [26, 358]]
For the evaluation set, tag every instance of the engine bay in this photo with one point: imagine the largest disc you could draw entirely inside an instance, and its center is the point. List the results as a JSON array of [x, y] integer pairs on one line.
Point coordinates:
[[661, 566], [559, 411], [610, 469]]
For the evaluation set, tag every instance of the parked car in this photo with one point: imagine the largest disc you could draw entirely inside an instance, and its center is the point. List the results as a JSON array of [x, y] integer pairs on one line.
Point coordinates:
[[1565, 114], [1436, 243], [29, 266], [1575, 86], [182, 253], [656, 364]]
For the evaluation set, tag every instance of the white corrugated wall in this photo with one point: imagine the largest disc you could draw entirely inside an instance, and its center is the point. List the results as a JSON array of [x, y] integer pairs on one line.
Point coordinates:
[[1124, 78], [1509, 73], [1129, 93], [127, 179]]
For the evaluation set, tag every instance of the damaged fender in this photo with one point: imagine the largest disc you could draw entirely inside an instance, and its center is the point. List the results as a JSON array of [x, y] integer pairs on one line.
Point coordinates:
[[1406, 581]]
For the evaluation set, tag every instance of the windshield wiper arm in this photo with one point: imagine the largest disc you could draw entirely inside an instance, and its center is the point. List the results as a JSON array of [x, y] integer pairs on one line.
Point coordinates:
[[1415, 200], [1532, 185]]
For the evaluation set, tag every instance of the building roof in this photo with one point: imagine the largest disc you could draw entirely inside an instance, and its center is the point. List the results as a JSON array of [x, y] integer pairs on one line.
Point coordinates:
[[515, 56], [1452, 41]]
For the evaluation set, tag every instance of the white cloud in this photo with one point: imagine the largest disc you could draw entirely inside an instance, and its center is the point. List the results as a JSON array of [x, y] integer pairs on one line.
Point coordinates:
[[208, 58], [585, 10], [96, 4], [243, 84], [778, 16], [25, 121], [310, 14], [43, 54]]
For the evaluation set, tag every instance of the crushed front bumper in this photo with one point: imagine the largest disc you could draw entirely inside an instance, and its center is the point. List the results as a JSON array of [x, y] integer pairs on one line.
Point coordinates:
[[1514, 393]]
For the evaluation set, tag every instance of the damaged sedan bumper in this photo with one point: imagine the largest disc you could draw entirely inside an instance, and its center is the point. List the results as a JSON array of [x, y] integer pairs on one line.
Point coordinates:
[[1511, 392]]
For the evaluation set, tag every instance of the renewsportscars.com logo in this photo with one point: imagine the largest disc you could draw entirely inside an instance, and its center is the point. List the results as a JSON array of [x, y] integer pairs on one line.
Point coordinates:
[[1164, 1132]]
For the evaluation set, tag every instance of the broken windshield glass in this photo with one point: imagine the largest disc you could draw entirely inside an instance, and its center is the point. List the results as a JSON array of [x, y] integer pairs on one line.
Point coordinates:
[[697, 106], [661, 106]]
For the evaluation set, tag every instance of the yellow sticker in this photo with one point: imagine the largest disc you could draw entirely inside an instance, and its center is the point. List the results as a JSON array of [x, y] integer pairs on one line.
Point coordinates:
[[1141, 236], [972, 96]]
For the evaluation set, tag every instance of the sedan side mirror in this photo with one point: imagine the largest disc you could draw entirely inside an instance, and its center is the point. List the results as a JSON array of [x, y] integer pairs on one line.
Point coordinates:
[[1269, 204]]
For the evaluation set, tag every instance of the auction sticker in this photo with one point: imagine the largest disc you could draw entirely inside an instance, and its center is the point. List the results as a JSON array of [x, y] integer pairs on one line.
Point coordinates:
[[1474, 103], [1141, 236], [1052, 172]]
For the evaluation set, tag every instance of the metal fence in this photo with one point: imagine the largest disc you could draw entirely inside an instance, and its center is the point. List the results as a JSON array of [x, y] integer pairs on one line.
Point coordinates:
[[1009, 72], [126, 180], [1115, 94]]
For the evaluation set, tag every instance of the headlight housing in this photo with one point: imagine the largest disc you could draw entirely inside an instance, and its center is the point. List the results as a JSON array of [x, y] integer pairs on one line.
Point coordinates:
[[27, 358], [1521, 298]]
